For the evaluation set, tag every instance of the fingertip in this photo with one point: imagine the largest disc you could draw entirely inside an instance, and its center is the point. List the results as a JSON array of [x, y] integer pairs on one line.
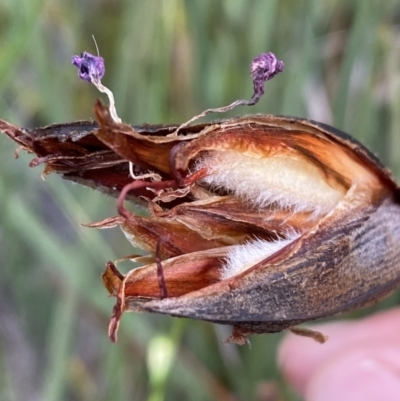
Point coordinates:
[[367, 372], [302, 360], [299, 357]]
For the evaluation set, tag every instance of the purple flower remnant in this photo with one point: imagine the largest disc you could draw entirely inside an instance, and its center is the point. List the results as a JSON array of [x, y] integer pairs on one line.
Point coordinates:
[[90, 68], [262, 69]]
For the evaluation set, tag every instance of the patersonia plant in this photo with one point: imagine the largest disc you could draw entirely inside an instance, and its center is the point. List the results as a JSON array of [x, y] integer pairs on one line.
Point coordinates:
[[261, 222]]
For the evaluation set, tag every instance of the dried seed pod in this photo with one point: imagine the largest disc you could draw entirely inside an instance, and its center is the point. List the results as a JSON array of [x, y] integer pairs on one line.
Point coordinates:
[[260, 222]]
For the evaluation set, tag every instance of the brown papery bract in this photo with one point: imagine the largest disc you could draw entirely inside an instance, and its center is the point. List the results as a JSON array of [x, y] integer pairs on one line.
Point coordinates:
[[260, 222]]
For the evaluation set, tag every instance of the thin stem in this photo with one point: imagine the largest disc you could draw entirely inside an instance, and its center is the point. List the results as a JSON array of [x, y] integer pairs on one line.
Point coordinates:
[[113, 111]]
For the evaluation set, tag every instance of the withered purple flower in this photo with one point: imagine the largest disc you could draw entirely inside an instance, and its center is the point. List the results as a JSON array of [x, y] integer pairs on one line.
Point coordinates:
[[263, 68], [90, 68]]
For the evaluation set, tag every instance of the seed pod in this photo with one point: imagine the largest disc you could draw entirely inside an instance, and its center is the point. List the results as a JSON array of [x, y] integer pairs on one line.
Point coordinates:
[[260, 222]]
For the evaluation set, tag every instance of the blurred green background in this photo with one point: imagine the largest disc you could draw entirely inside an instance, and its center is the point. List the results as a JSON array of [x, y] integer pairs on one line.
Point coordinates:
[[166, 61]]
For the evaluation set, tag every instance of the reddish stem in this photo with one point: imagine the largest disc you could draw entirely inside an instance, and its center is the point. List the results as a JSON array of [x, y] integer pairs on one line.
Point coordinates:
[[136, 185], [160, 272], [170, 184], [114, 269]]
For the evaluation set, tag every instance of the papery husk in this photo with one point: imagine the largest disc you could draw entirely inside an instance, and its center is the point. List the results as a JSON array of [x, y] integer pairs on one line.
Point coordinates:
[[345, 259]]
